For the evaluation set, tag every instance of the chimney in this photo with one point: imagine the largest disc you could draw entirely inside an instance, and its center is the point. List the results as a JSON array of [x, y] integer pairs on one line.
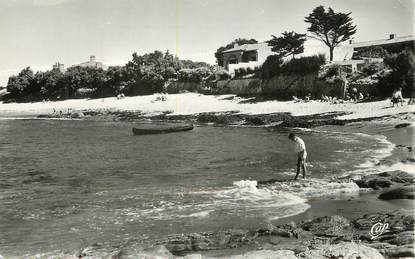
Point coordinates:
[[235, 45], [92, 58], [392, 36]]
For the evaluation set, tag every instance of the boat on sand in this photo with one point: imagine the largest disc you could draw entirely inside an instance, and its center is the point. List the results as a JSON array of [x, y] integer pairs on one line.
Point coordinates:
[[159, 128]]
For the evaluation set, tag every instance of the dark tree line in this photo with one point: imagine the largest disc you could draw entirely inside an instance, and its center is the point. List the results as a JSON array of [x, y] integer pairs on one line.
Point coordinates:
[[144, 74]]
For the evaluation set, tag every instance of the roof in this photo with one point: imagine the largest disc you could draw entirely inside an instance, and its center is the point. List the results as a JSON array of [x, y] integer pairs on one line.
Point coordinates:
[[383, 42], [247, 47]]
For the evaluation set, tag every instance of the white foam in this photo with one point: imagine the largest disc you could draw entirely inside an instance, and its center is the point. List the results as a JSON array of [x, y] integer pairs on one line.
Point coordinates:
[[406, 167], [317, 187], [201, 214]]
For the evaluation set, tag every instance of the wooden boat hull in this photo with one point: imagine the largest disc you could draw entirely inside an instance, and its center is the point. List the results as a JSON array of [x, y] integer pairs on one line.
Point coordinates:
[[150, 128]]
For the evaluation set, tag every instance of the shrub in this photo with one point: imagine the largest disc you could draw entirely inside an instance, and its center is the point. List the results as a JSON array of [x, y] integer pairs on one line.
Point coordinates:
[[274, 66], [402, 72], [372, 68], [330, 72], [194, 75], [222, 74], [271, 67], [303, 65]]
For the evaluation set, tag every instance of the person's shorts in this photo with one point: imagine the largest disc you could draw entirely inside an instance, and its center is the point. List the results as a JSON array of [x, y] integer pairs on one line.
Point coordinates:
[[396, 100], [302, 155]]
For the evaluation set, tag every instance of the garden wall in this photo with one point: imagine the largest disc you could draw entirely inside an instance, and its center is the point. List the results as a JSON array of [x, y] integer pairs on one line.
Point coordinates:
[[177, 87], [249, 86], [282, 87]]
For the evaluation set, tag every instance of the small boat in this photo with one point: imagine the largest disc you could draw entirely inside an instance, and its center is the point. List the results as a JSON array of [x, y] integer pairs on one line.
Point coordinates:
[[159, 128]]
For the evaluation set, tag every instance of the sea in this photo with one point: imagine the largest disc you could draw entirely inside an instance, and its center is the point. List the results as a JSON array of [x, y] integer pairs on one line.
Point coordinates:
[[69, 185]]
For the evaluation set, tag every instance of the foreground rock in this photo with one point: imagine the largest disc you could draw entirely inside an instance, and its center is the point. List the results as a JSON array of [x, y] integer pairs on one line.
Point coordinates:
[[385, 180], [208, 241], [323, 237], [404, 192], [342, 250], [397, 240], [330, 226]]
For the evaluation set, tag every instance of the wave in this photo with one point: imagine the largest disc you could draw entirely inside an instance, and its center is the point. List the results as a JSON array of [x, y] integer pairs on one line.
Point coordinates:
[[406, 167]]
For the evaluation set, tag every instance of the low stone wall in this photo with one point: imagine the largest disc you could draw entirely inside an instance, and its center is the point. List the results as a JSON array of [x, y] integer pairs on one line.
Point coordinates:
[[283, 87], [250, 86], [177, 87]]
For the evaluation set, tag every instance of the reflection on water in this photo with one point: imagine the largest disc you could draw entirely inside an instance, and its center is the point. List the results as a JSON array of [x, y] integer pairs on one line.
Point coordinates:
[[69, 184]]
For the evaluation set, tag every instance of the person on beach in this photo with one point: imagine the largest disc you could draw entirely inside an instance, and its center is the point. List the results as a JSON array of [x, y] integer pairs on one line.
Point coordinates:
[[301, 154], [397, 97]]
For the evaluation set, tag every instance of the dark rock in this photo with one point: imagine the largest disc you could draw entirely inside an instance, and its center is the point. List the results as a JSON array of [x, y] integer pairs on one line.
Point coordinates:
[[404, 192], [374, 182], [329, 226], [409, 160], [402, 125], [399, 252], [255, 120], [399, 219], [403, 238], [181, 244], [399, 176], [384, 180], [76, 115], [399, 232], [342, 250]]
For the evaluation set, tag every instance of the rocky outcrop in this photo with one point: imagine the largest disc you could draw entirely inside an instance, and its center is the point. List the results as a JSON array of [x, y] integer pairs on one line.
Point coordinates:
[[396, 240], [323, 237], [403, 192], [330, 226], [385, 180], [402, 125], [400, 184], [208, 241], [344, 250]]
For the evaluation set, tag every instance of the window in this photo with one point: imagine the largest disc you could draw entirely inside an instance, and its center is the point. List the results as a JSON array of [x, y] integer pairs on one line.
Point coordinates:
[[233, 60]]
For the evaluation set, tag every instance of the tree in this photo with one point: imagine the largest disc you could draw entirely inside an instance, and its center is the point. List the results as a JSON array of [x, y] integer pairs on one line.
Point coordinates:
[[402, 73], [51, 83], [290, 43], [218, 53], [22, 83], [330, 27]]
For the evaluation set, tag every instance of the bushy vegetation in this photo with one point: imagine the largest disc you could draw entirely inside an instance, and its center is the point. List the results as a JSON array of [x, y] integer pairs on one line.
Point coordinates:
[[274, 66], [245, 71], [144, 74], [194, 74], [378, 79], [401, 74], [303, 65]]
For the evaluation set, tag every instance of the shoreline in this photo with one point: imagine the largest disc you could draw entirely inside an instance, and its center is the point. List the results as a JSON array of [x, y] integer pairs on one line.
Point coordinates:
[[191, 104], [288, 232]]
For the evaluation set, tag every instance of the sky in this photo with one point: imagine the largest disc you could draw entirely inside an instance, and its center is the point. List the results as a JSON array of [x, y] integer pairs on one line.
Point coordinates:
[[38, 33]]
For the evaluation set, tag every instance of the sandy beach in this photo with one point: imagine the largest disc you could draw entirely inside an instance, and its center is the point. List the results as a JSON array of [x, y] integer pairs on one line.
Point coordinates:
[[192, 103]]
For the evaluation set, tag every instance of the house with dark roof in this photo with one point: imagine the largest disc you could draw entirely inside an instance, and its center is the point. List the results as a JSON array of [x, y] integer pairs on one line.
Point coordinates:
[[246, 55]]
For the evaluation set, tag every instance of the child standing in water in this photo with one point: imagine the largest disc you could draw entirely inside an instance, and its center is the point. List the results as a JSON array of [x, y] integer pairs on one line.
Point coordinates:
[[301, 152]]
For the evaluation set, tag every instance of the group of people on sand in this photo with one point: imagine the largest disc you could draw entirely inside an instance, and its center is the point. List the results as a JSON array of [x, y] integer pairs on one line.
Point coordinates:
[[329, 99], [162, 98], [299, 100]]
